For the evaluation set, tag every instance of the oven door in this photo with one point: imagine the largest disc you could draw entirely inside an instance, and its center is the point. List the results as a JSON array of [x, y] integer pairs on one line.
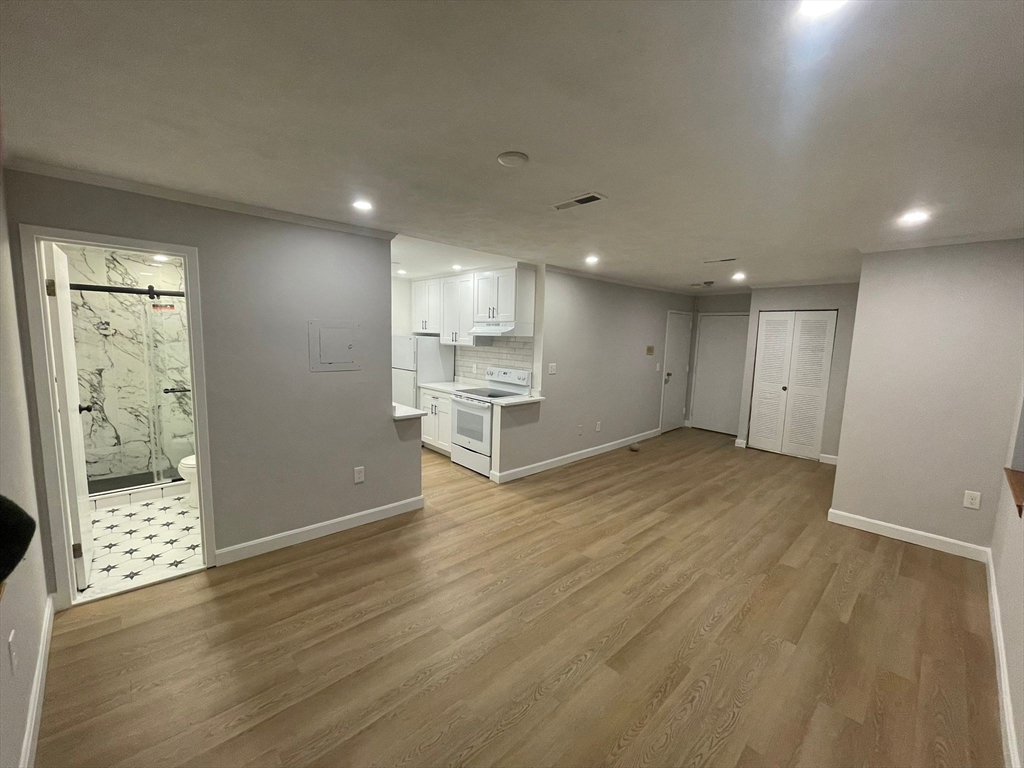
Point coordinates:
[[471, 424]]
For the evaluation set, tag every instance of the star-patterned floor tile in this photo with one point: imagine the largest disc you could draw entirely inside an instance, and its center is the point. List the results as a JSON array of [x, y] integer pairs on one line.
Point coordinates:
[[138, 544]]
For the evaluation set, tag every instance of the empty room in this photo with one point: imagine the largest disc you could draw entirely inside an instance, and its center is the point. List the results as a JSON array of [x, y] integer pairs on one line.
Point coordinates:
[[703, 327]]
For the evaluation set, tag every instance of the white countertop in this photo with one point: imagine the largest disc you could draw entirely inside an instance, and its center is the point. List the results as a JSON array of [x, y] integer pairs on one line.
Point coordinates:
[[400, 412], [449, 387]]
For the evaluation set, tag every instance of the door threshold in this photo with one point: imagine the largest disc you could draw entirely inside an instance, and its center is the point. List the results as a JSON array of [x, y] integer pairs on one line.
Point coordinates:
[[79, 599]]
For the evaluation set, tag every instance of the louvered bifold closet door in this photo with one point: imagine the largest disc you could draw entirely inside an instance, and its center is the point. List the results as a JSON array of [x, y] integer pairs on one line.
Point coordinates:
[[771, 375], [810, 366]]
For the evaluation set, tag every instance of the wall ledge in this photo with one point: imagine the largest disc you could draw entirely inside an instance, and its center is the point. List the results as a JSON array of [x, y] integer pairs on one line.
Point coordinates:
[[300, 535]]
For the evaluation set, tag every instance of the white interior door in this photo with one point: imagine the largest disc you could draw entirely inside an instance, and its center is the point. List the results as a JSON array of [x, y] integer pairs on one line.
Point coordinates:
[[677, 368], [771, 379], [76, 485], [718, 378], [813, 336]]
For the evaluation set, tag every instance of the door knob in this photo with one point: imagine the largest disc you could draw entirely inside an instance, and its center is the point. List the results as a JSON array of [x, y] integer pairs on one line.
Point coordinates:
[[85, 408], [784, 389], [669, 373]]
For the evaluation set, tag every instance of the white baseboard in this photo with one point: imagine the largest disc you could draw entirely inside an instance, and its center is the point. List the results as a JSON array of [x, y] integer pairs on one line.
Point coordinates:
[[569, 458], [300, 535], [687, 423], [741, 443], [35, 702], [911, 535], [828, 458], [1011, 756]]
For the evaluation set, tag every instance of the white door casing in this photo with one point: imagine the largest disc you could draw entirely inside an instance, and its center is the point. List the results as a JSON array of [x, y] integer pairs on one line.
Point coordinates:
[[718, 377], [676, 370]]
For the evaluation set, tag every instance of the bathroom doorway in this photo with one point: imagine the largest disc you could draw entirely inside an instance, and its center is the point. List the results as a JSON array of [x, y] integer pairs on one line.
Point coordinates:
[[120, 336]]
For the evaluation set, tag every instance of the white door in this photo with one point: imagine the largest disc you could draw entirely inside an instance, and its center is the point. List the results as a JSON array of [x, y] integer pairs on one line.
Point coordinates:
[[433, 306], [483, 297], [792, 365], [505, 295], [718, 378], [449, 310], [677, 368], [419, 306], [429, 422], [771, 379], [76, 490], [813, 337], [443, 406], [463, 337]]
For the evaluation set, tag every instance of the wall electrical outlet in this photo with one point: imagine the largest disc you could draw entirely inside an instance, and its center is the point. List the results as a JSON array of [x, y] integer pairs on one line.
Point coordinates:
[[474, 367], [599, 426], [579, 430], [360, 474], [12, 653], [657, 367], [972, 499], [551, 368]]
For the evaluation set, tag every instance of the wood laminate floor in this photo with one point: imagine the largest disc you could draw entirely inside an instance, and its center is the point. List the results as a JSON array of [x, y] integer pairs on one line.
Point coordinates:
[[685, 605]]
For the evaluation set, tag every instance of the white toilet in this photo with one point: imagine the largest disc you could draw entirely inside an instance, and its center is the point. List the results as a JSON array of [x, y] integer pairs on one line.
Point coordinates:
[[188, 472]]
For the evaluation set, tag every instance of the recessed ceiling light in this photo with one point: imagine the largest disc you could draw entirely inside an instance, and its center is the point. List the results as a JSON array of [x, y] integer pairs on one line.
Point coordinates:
[[592, 259], [161, 257], [401, 271], [456, 267], [913, 217], [513, 159], [363, 205], [739, 276], [815, 9]]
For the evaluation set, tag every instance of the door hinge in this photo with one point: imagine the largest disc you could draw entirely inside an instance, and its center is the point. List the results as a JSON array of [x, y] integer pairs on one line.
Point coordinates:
[[51, 287], [76, 551]]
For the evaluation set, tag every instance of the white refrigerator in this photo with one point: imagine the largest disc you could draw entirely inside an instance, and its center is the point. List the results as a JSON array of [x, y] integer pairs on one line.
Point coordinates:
[[418, 360]]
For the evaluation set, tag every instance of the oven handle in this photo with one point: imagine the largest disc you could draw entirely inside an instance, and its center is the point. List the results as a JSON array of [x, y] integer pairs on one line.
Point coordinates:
[[481, 406]]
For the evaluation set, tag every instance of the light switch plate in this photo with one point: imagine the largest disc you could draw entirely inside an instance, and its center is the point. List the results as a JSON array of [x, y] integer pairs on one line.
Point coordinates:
[[359, 474], [551, 368], [972, 499]]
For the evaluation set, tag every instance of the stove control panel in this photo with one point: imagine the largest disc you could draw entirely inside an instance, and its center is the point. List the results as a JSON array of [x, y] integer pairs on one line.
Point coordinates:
[[509, 376]]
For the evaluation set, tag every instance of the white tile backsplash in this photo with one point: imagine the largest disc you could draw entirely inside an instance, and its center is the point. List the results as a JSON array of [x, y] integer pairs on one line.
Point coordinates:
[[503, 352]]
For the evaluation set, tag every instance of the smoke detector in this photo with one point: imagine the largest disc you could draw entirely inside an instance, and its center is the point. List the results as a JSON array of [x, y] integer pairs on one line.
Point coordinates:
[[576, 202]]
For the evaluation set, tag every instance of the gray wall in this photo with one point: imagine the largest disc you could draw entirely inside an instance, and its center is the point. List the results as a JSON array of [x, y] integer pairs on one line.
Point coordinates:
[[1008, 574], [934, 385], [283, 440], [597, 334], [841, 297], [23, 607]]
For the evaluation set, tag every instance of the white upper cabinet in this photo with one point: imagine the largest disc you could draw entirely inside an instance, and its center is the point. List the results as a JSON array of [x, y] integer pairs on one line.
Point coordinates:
[[483, 297], [457, 310], [505, 295], [494, 296], [426, 306]]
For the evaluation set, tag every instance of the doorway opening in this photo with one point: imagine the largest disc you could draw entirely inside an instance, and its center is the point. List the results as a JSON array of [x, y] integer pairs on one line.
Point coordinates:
[[119, 344]]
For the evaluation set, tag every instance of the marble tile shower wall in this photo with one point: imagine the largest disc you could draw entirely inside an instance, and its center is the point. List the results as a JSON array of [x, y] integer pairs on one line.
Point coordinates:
[[504, 352], [129, 349]]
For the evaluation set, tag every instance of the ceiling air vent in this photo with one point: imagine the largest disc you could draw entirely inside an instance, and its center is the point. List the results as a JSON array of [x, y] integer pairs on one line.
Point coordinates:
[[587, 199], [705, 284], [718, 261]]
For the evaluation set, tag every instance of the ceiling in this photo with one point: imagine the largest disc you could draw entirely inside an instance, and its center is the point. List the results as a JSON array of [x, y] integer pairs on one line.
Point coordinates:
[[425, 258], [716, 130]]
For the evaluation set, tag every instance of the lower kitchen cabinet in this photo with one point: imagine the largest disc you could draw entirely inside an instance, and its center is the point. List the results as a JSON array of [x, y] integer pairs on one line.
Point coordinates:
[[437, 424]]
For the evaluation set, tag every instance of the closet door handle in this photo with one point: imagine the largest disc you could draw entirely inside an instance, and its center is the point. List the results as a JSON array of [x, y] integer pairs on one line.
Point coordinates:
[[784, 389], [85, 408]]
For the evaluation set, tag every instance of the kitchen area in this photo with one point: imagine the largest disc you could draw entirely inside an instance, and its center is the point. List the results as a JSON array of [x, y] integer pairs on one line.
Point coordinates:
[[463, 325]]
